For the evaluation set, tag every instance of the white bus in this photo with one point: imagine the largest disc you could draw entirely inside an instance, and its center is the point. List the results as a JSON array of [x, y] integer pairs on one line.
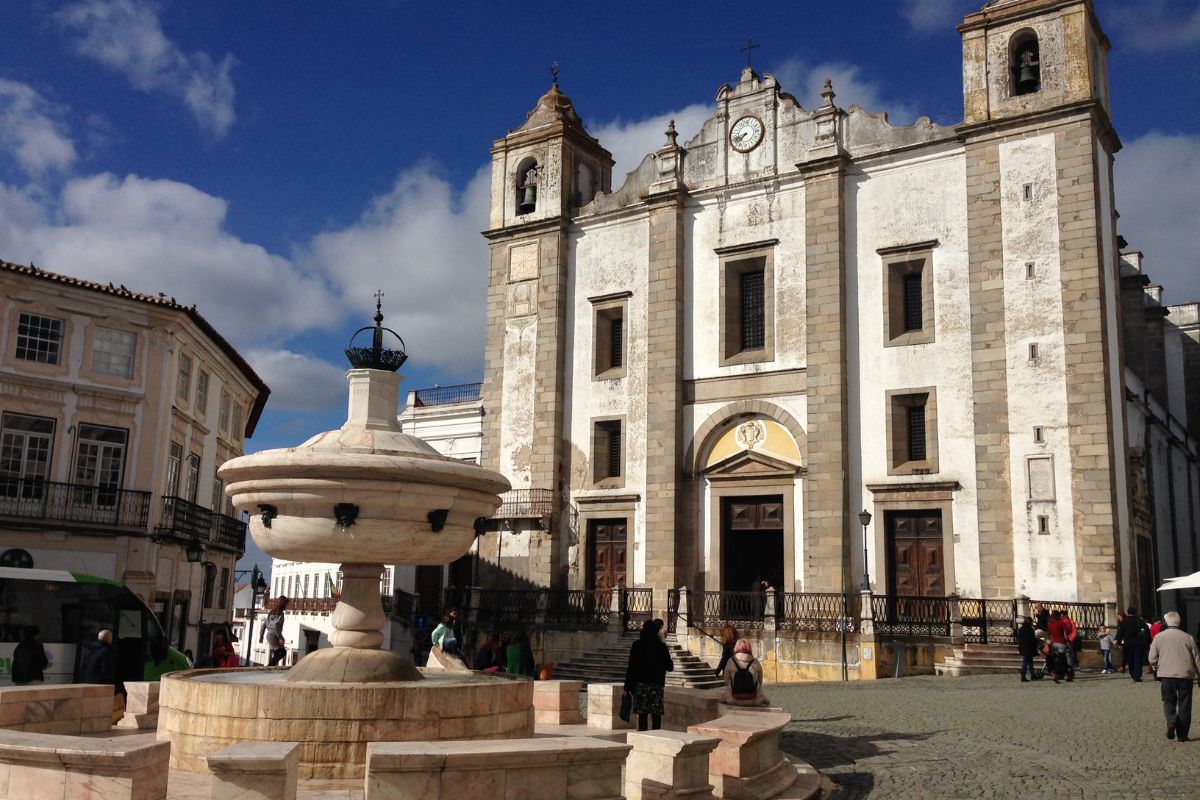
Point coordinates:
[[70, 609]]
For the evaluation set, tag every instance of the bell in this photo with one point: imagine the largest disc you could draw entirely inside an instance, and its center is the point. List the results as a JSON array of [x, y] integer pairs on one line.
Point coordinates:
[[1027, 80], [528, 199]]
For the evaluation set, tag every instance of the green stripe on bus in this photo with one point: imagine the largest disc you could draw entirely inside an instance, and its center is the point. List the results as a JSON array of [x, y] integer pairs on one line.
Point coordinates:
[[81, 578]]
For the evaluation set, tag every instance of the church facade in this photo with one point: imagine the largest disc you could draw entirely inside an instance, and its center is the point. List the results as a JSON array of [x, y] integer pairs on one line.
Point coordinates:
[[798, 315]]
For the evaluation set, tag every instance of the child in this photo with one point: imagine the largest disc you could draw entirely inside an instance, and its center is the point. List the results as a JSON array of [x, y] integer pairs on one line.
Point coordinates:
[[1106, 643]]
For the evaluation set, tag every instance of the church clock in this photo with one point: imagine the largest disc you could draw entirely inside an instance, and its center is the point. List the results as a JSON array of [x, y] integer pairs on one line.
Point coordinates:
[[746, 134]]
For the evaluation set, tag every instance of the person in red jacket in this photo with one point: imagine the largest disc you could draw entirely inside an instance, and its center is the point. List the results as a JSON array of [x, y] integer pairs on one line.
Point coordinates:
[[1071, 632], [1058, 642]]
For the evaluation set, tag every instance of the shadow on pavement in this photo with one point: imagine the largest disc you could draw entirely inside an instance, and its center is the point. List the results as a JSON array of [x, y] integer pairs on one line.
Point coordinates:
[[825, 751]]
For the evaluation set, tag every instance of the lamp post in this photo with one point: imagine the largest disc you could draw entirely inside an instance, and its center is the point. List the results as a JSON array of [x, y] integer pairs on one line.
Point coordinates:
[[258, 587], [865, 518]]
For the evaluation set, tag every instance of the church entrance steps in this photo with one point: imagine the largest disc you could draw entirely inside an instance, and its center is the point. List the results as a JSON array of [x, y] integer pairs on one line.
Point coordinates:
[[981, 659], [607, 664]]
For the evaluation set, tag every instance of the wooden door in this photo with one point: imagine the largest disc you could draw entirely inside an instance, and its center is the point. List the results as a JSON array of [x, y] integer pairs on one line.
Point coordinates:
[[607, 543], [916, 553], [751, 542]]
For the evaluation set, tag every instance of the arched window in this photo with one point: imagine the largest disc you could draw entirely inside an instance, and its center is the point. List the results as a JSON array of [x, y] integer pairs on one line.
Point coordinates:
[[527, 186], [584, 188], [1024, 59]]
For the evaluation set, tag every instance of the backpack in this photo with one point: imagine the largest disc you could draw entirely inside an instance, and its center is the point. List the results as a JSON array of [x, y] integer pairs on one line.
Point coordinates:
[[743, 687]]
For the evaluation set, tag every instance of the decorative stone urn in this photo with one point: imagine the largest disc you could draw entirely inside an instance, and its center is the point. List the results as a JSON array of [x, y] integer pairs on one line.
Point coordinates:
[[363, 495]]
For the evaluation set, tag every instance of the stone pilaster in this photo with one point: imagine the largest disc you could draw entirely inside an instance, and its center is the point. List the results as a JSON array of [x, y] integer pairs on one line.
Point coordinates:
[[989, 372], [826, 533], [1093, 442], [665, 545]]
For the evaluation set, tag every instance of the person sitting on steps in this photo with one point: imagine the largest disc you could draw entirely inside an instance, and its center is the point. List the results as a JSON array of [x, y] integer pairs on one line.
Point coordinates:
[[743, 678]]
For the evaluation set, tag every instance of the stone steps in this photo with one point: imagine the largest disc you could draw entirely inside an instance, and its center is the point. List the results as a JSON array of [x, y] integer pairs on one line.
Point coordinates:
[[606, 664], [980, 659]]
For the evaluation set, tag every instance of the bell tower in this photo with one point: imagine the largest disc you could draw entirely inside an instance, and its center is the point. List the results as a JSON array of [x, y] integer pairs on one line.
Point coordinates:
[[1026, 56], [1041, 225], [542, 173]]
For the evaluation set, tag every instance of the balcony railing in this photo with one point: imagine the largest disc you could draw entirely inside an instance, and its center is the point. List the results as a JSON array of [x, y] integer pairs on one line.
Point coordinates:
[[33, 498], [185, 518], [446, 395], [525, 504]]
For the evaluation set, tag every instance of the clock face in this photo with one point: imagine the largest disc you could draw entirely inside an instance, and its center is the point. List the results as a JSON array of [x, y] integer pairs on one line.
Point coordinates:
[[745, 134]]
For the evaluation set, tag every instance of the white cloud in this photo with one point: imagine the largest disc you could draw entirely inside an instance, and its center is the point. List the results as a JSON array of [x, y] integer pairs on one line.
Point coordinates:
[[1156, 179], [164, 236], [420, 243], [31, 131], [127, 37], [630, 141], [299, 382], [805, 81], [1154, 25], [930, 16]]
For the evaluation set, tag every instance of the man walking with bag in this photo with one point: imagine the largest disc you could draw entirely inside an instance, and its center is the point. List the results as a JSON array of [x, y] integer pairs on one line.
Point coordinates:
[[1173, 654]]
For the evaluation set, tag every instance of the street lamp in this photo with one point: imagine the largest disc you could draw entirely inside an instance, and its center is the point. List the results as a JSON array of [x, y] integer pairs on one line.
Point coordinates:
[[194, 551], [865, 518], [258, 588]]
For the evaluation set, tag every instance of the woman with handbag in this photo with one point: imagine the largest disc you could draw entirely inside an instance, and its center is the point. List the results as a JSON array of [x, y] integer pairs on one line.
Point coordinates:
[[646, 676]]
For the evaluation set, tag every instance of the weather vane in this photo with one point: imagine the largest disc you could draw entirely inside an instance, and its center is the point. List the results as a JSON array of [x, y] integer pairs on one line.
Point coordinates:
[[749, 51], [554, 72]]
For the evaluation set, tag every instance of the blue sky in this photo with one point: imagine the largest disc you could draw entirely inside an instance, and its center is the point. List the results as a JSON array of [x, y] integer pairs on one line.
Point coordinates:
[[275, 163]]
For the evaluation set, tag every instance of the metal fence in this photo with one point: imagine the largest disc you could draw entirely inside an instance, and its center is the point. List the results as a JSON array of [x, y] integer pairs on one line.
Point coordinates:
[[1086, 616], [446, 395], [988, 621], [903, 615], [577, 608], [820, 612], [33, 498], [516, 607], [636, 607], [718, 609]]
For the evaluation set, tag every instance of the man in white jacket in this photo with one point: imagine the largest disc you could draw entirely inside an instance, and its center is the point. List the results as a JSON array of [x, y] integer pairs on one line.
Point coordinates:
[[1177, 664]]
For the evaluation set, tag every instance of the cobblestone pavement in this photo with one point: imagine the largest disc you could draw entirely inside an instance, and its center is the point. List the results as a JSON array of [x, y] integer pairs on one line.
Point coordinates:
[[990, 736]]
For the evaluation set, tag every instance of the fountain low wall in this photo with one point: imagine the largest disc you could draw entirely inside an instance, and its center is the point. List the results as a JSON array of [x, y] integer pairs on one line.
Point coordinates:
[[203, 711]]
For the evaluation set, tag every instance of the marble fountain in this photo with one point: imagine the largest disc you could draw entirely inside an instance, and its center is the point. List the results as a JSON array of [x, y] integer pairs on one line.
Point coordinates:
[[363, 495]]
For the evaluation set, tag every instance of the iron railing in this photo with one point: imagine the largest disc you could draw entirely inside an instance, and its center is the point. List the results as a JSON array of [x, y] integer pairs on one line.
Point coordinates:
[[819, 612], [1086, 616], [525, 504], [672, 610], [988, 621], [578, 608], [637, 606], [718, 609], [34, 498], [517, 607], [186, 518], [229, 532], [446, 395], [904, 615]]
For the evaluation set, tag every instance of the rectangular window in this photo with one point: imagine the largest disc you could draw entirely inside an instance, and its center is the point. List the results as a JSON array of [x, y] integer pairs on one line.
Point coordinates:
[[385, 583], [235, 430], [305, 585], [223, 417], [25, 447], [912, 432], [183, 388], [916, 432], [908, 294], [754, 333], [218, 495], [609, 335], [747, 316], [99, 463], [607, 451], [1033, 351], [1039, 434], [1043, 524], [174, 462], [192, 484], [1030, 270], [210, 582], [113, 351], [223, 598], [39, 338], [201, 393]]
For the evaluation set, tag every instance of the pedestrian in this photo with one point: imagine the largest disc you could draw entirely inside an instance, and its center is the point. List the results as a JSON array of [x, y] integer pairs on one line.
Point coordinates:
[[1134, 637], [743, 678], [1058, 643], [518, 656], [1027, 646], [1071, 632], [1106, 643], [1042, 616], [223, 655], [29, 659], [273, 631], [1124, 658], [100, 666], [443, 635], [646, 675], [729, 637], [1173, 654]]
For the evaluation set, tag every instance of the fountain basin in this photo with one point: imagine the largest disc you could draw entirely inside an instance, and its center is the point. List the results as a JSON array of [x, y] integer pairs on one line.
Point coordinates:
[[202, 711]]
